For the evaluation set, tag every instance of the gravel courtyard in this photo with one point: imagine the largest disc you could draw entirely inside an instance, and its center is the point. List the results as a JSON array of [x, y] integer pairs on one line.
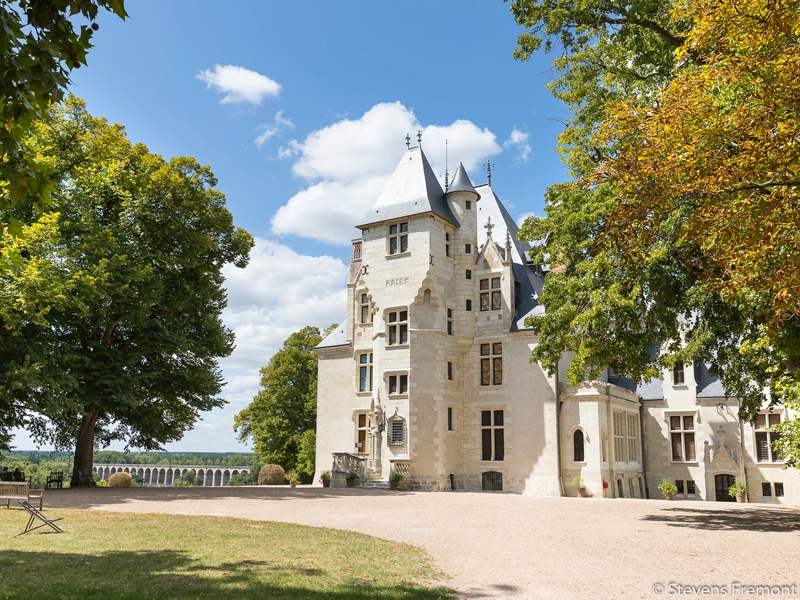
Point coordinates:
[[508, 546]]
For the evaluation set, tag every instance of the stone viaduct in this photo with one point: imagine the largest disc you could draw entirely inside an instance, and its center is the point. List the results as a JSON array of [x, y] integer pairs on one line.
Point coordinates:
[[164, 475]]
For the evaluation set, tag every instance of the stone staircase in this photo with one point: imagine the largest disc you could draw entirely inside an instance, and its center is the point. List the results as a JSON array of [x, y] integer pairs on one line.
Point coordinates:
[[374, 484]]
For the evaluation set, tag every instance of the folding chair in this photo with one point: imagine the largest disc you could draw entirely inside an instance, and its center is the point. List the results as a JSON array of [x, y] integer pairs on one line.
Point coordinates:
[[35, 514]]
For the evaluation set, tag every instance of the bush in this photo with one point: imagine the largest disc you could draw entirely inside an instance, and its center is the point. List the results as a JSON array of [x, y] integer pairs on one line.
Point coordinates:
[[271, 475], [101, 483], [120, 480], [241, 479]]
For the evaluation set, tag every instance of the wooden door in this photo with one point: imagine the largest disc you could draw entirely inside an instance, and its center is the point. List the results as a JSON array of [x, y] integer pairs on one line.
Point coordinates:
[[722, 483]]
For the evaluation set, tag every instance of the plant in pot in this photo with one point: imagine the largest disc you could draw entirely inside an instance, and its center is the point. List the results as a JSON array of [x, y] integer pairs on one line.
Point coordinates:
[[582, 492], [668, 488], [395, 479], [351, 479], [738, 489], [292, 477], [325, 478]]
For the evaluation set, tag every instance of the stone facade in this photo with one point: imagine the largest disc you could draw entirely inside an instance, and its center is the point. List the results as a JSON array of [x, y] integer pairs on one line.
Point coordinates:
[[429, 373]]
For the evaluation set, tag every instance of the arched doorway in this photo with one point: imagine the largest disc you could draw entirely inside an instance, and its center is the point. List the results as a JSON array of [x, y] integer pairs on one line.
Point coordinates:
[[722, 483]]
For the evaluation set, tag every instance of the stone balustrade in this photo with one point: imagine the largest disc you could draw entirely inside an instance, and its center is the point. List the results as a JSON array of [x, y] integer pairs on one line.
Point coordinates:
[[344, 463], [400, 466]]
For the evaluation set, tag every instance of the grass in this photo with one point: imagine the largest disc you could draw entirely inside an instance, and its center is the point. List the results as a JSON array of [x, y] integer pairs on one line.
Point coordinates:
[[106, 555]]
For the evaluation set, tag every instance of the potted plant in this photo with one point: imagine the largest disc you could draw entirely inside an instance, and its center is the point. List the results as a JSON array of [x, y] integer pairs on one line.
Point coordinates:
[[668, 488], [582, 492], [395, 479], [351, 479], [292, 478], [325, 478], [738, 489]]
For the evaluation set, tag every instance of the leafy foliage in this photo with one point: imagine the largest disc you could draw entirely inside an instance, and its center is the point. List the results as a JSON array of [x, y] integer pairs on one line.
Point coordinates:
[[130, 353], [244, 478], [285, 409], [40, 45], [667, 245], [271, 475], [188, 479]]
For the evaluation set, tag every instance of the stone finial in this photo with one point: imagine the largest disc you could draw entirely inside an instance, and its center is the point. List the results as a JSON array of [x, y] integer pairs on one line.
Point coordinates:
[[489, 227], [508, 245]]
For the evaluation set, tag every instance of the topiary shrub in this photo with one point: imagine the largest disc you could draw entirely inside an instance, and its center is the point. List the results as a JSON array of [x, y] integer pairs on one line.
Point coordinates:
[[120, 480], [271, 475]]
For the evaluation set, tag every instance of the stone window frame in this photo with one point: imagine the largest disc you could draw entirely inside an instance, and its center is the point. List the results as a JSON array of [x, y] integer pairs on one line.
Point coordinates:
[[468, 305], [678, 374], [570, 444], [396, 233], [451, 419], [492, 293], [494, 428], [695, 414], [364, 302], [391, 431], [358, 427], [398, 376], [467, 248], [634, 441], [448, 244], [771, 436], [450, 316], [369, 365], [492, 342], [399, 324]]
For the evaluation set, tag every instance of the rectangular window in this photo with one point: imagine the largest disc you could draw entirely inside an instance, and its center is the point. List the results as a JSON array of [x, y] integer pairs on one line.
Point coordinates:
[[620, 433], [449, 418], [681, 431], [779, 490], [449, 321], [468, 248], [398, 238], [396, 432], [490, 298], [690, 489], [492, 435], [450, 371], [633, 438], [679, 485], [469, 274], [366, 314], [398, 327], [362, 426], [469, 305], [447, 244], [766, 490], [365, 372], [765, 439], [398, 384], [678, 374], [468, 204], [492, 364]]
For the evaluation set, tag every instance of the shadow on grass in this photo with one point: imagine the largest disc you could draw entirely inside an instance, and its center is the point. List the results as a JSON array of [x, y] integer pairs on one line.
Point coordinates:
[[42, 575], [744, 519]]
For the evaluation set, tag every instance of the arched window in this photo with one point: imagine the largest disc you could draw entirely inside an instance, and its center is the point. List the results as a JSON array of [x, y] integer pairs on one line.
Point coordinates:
[[578, 440]]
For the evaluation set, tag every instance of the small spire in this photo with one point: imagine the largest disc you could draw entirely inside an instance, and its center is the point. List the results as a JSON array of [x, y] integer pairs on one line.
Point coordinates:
[[489, 172], [419, 138], [508, 246], [446, 175], [408, 141], [489, 227]]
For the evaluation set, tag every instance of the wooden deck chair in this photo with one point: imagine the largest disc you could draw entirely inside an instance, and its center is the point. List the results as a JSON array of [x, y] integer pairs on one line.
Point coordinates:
[[34, 514]]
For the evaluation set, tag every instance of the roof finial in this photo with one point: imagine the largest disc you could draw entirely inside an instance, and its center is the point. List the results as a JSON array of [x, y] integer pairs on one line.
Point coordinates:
[[489, 172], [419, 138], [489, 227], [508, 246], [408, 141], [446, 176]]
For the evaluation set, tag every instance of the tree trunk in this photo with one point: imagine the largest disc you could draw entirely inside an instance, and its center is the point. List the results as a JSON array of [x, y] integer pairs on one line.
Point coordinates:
[[84, 448]]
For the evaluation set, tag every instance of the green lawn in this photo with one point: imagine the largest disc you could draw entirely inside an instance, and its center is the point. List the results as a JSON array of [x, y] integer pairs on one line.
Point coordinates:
[[105, 555]]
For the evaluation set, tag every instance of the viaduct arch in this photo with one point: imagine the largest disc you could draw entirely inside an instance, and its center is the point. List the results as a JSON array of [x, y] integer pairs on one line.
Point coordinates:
[[165, 475]]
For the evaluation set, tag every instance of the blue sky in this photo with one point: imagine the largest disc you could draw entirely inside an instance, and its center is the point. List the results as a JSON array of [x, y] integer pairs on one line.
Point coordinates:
[[301, 110]]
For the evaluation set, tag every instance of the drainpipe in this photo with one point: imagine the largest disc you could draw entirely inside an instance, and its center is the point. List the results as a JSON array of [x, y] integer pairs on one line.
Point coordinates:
[[558, 434], [742, 457], [644, 460]]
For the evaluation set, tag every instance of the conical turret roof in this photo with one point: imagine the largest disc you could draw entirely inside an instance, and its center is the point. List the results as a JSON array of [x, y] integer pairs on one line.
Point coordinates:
[[461, 182], [412, 189]]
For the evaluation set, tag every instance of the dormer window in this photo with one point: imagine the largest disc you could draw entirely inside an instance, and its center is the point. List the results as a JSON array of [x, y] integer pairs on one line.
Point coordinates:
[[678, 377], [398, 238], [490, 298]]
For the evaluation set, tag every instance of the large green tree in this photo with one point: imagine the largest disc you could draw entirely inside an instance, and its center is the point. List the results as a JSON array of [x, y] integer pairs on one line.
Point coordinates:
[[137, 253], [39, 46], [604, 304], [282, 418]]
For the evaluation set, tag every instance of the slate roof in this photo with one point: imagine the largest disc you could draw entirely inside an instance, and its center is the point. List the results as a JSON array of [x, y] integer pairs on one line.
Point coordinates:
[[708, 386], [336, 338], [652, 390], [413, 189], [527, 294], [461, 182], [490, 206]]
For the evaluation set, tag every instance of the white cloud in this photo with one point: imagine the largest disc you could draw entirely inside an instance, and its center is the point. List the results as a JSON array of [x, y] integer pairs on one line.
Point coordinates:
[[239, 84], [519, 141], [268, 131], [346, 165], [278, 293], [523, 216]]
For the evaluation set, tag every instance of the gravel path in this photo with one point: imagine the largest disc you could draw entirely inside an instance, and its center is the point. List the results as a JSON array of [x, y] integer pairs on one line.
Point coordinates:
[[503, 545]]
